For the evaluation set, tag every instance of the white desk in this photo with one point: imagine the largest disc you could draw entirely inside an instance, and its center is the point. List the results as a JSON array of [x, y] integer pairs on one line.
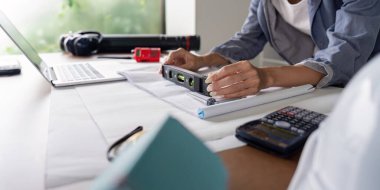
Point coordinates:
[[24, 111], [24, 130]]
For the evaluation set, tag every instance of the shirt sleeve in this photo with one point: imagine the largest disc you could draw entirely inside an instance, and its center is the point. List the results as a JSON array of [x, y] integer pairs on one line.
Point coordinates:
[[247, 43], [351, 42], [321, 67]]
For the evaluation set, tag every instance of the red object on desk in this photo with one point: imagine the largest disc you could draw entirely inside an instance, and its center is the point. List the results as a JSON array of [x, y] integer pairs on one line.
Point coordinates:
[[142, 54]]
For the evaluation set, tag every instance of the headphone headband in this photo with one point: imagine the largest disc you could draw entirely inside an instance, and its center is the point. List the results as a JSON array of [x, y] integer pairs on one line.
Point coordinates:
[[89, 32]]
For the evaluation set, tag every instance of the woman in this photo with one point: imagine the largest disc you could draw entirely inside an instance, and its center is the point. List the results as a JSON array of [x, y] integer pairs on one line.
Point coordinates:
[[325, 42]]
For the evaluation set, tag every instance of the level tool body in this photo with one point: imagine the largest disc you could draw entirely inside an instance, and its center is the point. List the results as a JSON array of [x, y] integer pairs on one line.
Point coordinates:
[[188, 79]]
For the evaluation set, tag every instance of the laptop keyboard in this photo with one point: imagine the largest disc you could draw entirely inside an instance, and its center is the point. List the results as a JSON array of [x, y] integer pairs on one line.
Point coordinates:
[[78, 72]]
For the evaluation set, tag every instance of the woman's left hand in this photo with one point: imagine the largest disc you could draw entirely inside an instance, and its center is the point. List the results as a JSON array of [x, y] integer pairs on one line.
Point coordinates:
[[237, 80]]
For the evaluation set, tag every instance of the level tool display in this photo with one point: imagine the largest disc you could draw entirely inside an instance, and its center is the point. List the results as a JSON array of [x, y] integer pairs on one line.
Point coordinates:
[[188, 79]]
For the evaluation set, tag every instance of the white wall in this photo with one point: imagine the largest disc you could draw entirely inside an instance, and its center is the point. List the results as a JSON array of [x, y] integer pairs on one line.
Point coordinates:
[[218, 20], [214, 20], [180, 17]]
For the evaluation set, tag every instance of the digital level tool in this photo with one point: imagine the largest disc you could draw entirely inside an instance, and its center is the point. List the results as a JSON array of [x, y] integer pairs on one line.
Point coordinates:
[[144, 54], [188, 79]]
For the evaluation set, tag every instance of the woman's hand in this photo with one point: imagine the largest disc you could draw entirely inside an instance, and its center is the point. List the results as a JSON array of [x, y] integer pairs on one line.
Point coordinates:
[[183, 59], [237, 80], [242, 79], [189, 61]]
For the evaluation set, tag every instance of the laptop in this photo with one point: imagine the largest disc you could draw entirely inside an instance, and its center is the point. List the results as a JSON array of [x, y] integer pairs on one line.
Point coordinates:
[[65, 74]]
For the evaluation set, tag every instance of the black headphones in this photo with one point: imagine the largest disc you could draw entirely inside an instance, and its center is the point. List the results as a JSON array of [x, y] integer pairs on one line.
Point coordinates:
[[81, 43]]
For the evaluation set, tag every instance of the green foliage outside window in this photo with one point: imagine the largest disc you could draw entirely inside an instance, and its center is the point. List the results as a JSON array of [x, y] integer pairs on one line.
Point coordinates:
[[106, 16]]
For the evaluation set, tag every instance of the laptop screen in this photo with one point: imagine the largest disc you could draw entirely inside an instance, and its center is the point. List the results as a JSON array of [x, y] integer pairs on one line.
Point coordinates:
[[20, 41]]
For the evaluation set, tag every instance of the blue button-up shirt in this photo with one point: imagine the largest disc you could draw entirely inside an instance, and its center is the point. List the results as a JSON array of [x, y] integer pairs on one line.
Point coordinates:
[[346, 32]]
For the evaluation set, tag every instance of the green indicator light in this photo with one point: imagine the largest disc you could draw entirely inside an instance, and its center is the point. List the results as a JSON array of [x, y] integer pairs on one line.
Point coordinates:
[[180, 77]]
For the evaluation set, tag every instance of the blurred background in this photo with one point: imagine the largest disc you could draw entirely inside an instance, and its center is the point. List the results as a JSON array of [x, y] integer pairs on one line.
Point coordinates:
[[42, 22]]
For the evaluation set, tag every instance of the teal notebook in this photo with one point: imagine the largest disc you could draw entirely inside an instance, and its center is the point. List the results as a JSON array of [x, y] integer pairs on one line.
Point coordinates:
[[165, 158]]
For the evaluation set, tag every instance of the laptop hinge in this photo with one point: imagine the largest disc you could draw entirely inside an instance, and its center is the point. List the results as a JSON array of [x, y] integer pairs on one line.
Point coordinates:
[[51, 73]]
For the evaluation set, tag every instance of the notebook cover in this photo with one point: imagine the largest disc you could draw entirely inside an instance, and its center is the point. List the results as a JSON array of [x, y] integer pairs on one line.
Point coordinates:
[[168, 157]]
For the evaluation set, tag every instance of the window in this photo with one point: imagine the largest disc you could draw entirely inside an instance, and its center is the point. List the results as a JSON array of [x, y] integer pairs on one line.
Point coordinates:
[[43, 22]]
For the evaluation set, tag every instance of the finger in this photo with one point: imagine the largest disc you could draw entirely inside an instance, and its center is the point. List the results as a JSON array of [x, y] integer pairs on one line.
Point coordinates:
[[241, 86], [233, 79], [171, 58], [166, 58], [174, 56], [229, 70], [243, 93]]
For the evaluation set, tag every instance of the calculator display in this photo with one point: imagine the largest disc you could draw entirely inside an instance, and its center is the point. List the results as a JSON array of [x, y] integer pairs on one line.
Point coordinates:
[[267, 129]]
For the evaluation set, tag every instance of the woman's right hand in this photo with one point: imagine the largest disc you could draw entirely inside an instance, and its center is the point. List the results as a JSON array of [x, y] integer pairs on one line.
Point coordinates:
[[184, 59]]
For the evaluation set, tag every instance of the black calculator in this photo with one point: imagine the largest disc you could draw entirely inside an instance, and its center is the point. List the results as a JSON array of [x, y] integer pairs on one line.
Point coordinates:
[[281, 132]]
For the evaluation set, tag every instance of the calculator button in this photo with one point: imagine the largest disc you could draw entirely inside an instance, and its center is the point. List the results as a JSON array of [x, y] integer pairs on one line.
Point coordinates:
[[307, 119], [300, 115], [291, 113], [315, 121], [300, 131], [293, 129], [313, 114], [309, 126], [270, 121], [296, 111], [282, 124]]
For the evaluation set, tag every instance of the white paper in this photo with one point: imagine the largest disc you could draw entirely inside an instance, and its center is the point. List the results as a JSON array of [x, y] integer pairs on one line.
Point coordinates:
[[179, 97], [76, 148]]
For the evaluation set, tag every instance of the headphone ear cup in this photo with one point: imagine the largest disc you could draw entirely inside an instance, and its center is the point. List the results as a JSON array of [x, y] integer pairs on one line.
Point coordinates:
[[85, 45], [81, 46], [62, 39], [69, 44]]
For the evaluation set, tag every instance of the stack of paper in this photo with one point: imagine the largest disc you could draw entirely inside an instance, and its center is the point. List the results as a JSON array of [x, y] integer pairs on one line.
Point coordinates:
[[151, 81]]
